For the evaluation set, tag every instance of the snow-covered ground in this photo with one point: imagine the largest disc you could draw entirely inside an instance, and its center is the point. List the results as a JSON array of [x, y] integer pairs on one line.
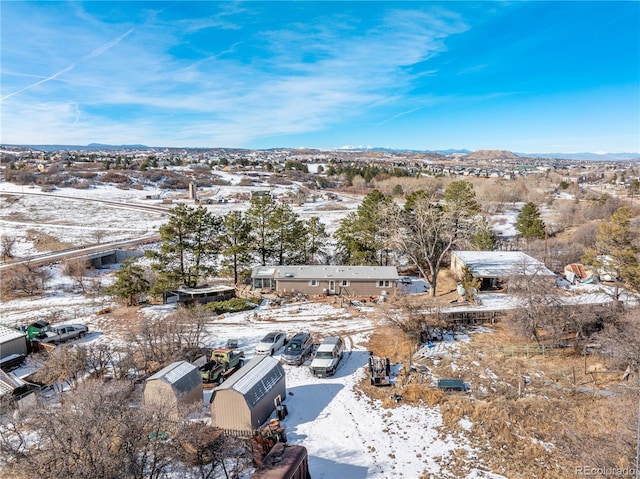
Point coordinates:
[[347, 434]]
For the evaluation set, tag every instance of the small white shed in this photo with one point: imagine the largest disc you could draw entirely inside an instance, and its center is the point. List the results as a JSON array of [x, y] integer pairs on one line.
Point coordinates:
[[246, 400]]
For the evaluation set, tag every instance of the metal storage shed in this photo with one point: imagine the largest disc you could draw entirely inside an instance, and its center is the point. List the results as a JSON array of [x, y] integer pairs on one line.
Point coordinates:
[[246, 400], [174, 387], [12, 342], [492, 266]]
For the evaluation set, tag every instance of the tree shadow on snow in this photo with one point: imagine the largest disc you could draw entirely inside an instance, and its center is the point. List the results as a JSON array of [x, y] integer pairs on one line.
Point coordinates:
[[351, 362], [322, 468], [305, 404]]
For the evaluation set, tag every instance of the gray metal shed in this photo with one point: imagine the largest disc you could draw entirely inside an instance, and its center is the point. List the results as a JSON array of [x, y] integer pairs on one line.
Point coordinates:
[[174, 387], [12, 342], [246, 400]]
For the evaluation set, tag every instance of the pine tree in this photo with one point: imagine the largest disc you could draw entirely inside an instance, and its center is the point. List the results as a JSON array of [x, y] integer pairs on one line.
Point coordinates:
[[189, 249], [131, 283], [615, 251], [259, 216], [361, 234], [316, 236], [529, 222], [236, 243]]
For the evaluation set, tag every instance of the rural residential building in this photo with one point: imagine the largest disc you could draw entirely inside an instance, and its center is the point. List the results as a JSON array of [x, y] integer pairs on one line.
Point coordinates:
[[174, 387], [246, 400], [202, 295], [496, 268], [319, 280], [12, 342]]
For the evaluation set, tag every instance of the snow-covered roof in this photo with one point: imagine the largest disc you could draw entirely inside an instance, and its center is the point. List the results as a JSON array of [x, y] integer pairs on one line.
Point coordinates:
[[500, 264], [326, 271], [180, 375], [255, 379], [9, 334], [205, 289]]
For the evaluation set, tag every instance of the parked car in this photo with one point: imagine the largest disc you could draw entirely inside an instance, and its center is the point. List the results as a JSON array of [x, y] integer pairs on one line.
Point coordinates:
[[271, 343], [297, 349], [61, 332], [327, 357]]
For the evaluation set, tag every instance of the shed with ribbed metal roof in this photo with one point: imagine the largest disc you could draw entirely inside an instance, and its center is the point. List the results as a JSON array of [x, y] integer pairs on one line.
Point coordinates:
[[246, 400], [12, 342], [175, 387]]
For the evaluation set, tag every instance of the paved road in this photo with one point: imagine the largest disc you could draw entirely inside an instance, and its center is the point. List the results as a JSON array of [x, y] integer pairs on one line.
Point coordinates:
[[42, 259]]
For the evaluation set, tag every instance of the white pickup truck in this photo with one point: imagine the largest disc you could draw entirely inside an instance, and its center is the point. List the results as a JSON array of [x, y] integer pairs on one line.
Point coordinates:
[[327, 357]]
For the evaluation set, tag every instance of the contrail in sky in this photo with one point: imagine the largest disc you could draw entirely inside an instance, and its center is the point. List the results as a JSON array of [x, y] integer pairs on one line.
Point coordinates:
[[98, 51]]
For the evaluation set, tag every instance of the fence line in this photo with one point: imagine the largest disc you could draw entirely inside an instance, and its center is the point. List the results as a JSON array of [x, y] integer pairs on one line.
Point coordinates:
[[529, 350]]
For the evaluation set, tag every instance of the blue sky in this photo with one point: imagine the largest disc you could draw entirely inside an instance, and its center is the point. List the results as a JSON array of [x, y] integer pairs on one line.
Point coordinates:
[[522, 76]]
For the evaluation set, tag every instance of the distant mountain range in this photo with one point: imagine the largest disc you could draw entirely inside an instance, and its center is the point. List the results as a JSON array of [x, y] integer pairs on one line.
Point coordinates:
[[89, 147], [586, 156], [479, 154]]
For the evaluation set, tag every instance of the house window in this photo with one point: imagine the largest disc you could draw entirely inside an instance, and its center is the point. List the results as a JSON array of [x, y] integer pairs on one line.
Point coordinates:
[[344, 282], [313, 282], [383, 283]]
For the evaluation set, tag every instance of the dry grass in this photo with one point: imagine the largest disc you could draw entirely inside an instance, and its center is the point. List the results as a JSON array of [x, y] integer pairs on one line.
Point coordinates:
[[45, 242], [528, 417]]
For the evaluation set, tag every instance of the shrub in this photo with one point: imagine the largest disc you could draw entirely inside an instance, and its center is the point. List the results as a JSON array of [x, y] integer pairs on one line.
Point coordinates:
[[233, 305]]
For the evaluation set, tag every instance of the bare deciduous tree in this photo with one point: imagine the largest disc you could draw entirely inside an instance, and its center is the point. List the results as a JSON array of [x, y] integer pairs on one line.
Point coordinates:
[[538, 297], [621, 337], [103, 430], [178, 336], [24, 278], [76, 269], [7, 245]]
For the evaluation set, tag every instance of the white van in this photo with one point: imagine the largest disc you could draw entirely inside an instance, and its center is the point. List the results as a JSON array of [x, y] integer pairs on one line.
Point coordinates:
[[327, 357]]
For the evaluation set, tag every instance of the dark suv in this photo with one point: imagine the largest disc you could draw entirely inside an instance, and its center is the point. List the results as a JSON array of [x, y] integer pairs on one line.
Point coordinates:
[[297, 349]]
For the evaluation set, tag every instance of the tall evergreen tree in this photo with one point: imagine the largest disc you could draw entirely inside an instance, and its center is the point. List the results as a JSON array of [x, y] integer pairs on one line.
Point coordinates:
[[361, 236], [529, 222], [131, 283], [259, 217], [615, 251], [287, 235], [190, 246], [236, 243], [317, 237]]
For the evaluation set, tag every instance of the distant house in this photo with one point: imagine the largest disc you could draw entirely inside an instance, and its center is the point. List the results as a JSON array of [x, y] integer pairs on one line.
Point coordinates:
[[202, 295], [246, 400], [494, 268], [173, 388], [318, 280]]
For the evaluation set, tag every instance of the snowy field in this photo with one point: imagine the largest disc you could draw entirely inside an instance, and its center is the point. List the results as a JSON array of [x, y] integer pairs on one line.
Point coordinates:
[[106, 213]]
